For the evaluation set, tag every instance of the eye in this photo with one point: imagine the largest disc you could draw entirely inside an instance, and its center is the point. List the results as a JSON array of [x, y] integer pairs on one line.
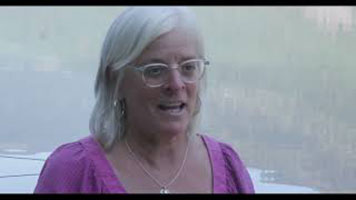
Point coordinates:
[[154, 71], [189, 67]]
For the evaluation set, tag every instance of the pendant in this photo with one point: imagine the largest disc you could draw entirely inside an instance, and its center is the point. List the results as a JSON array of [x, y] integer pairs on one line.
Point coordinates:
[[164, 190]]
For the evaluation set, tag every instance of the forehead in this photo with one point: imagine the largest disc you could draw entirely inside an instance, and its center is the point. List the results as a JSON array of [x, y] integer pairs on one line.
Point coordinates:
[[174, 46]]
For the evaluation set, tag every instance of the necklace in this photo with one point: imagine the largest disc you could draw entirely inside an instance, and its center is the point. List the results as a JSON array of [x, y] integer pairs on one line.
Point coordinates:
[[164, 187]]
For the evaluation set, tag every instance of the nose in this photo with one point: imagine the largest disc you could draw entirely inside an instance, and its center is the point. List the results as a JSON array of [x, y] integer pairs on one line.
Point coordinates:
[[174, 81]]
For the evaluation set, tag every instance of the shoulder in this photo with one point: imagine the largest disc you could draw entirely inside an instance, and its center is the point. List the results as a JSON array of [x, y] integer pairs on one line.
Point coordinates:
[[69, 155], [224, 148], [227, 158], [66, 169]]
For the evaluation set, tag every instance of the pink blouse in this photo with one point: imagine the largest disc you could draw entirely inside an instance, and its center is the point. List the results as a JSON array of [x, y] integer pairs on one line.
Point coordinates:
[[81, 167]]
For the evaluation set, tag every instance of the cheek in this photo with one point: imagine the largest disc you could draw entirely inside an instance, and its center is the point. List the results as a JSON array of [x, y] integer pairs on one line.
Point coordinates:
[[193, 95], [139, 99], [142, 100], [135, 94]]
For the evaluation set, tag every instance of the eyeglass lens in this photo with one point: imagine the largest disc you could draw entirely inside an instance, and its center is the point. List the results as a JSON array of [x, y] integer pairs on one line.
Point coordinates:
[[156, 74]]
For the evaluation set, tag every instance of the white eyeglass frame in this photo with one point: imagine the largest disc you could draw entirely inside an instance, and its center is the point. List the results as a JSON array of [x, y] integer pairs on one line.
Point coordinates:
[[143, 67]]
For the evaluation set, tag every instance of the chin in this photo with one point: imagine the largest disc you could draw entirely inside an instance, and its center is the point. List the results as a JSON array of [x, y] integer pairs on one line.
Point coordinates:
[[174, 128]]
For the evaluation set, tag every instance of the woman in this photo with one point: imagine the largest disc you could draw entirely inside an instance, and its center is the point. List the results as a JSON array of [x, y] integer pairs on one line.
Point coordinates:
[[143, 140]]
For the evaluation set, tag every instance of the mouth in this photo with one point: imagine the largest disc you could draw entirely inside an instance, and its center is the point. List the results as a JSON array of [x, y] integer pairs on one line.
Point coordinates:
[[172, 107]]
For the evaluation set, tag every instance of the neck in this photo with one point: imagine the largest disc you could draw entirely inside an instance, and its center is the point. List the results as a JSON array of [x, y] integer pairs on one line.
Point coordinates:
[[157, 151]]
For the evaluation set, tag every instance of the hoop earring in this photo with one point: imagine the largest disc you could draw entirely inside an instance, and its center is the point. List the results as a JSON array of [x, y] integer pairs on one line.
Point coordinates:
[[122, 107]]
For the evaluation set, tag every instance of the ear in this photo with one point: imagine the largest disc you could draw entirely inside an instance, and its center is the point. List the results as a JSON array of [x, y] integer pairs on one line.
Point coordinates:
[[197, 105], [120, 83]]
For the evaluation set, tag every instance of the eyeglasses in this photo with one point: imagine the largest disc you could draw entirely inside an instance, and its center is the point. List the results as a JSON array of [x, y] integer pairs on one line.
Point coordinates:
[[156, 74]]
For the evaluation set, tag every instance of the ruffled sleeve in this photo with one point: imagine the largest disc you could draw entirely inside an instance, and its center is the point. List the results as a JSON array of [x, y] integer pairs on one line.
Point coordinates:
[[237, 177], [67, 170], [230, 174]]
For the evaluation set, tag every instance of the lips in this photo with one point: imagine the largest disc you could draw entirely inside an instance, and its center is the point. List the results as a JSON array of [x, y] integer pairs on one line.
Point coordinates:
[[172, 106]]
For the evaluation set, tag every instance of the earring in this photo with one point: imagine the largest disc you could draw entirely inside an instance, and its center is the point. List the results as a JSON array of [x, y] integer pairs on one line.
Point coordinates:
[[122, 107]]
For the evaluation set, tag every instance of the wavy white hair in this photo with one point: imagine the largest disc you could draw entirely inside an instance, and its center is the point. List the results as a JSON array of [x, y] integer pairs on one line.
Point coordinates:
[[127, 37]]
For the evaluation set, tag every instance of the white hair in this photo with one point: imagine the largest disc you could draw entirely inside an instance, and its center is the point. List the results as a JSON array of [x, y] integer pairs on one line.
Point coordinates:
[[128, 36]]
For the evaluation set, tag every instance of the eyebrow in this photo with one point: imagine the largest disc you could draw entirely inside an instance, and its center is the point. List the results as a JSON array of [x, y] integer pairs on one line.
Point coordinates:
[[153, 60], [158, 60]]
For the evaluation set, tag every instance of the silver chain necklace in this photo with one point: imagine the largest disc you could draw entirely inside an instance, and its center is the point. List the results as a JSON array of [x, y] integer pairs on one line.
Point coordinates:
[[164, 188]]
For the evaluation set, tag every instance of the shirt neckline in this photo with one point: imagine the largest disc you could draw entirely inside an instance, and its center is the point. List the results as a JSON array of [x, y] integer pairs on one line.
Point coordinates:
[[105, 172]]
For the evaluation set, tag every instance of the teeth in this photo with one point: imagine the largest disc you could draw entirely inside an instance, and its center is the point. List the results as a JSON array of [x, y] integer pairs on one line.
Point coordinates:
[[173, 104], [171, 107], [174, 110]]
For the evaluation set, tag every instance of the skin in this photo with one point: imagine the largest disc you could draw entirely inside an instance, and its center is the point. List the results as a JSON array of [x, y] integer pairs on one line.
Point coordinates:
[[159, 138], [171, 48]]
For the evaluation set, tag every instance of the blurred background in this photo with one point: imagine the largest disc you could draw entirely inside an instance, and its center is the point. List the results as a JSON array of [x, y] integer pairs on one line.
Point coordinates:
[[281, 86]]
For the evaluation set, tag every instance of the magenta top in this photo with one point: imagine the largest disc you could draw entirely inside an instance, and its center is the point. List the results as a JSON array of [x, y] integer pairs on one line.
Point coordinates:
[[81, 167]]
